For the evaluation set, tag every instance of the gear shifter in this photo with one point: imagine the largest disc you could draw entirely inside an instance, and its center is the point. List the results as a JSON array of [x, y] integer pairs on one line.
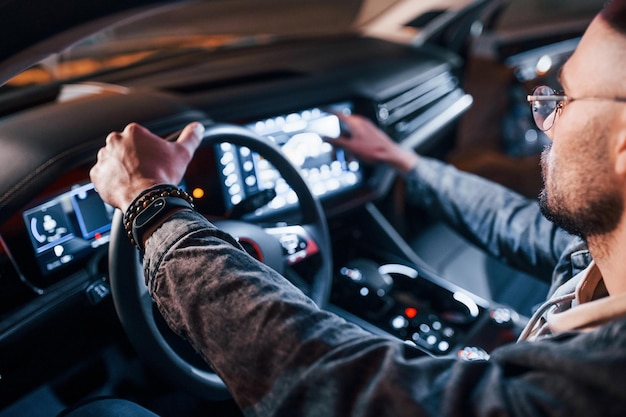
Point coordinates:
[[365, 272], [366, 287]]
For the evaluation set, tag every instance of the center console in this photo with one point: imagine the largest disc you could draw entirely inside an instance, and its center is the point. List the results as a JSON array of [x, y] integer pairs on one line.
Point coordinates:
[[392, 292]]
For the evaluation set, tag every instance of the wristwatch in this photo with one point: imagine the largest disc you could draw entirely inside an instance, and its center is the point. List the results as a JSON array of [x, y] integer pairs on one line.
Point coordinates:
[[155, 212]]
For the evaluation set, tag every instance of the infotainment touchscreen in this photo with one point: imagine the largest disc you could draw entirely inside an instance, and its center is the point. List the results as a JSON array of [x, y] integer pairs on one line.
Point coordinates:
[[327, 169], [68, 227]]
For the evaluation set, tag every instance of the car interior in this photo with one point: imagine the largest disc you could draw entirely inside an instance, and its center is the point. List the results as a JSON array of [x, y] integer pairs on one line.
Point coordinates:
[[445, 78]]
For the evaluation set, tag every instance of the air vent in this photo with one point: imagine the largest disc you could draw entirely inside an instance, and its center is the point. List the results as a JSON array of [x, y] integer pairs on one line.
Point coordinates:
[[406, 112]]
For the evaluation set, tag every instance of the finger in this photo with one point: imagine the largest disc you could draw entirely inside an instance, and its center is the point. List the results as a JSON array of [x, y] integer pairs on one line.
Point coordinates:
[[94, 173], [347, 124], [112, 137], [338, 142], [349, 119], [101, 154], [191, 136], [345, 129], [133, 128]]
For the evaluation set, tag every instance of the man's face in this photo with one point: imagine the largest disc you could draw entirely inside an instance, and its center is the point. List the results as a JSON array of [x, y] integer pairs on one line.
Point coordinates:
[[582, 192]]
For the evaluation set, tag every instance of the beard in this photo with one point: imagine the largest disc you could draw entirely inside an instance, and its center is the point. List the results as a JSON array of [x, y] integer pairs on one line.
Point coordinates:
[[589, 208], [593, 218]]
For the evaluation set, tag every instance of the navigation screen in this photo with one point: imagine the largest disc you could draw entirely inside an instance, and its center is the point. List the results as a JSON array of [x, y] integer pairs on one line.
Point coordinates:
[[68, 227], [327, 169]]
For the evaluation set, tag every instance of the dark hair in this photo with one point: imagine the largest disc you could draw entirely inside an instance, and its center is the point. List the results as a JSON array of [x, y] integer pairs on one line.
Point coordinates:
[[614, 12]]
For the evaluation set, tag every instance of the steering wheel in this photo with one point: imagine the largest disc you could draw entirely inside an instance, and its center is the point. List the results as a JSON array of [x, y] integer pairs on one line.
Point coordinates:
[[144, 325]]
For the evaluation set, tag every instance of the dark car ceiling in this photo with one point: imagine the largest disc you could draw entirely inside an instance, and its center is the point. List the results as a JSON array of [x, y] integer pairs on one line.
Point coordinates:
[[25, 23], [39, 28], [33, 29]]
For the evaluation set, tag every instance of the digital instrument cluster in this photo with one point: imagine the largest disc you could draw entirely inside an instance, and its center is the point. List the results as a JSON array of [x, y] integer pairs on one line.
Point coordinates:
[[68, 227]]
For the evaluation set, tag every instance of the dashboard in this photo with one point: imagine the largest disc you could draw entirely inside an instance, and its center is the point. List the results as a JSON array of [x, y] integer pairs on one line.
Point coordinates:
[[60, 230]]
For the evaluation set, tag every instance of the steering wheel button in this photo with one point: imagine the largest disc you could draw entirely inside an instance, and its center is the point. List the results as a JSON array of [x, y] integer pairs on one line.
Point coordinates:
[[296, 257], [289, 242]]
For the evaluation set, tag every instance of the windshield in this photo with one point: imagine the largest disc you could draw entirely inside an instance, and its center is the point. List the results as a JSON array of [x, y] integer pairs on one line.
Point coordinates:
[[203, 26], [210, 25], [193, 26], [87, 58]]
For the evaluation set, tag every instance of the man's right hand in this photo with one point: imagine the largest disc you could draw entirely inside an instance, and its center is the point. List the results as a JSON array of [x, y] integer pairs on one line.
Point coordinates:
[[370, 144]]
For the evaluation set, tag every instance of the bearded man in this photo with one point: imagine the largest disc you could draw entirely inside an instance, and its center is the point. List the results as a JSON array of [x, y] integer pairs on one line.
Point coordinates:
[[280, 355]]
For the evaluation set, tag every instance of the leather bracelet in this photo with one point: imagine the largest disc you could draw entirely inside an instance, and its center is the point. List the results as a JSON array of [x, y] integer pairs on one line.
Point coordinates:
[[146, 199]]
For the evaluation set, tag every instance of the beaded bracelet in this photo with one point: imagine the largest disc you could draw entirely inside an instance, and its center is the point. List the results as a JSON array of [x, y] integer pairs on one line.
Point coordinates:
[[143, 200]]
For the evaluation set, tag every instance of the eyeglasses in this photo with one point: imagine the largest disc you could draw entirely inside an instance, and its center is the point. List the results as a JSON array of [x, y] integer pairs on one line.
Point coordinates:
[[546, 103]]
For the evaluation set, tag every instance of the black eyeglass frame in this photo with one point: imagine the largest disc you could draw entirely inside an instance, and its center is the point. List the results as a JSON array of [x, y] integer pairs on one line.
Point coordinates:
[[561, 100]]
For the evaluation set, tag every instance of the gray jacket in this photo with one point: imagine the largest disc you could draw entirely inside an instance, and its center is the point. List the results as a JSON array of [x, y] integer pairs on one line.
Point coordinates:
[[282, 356]]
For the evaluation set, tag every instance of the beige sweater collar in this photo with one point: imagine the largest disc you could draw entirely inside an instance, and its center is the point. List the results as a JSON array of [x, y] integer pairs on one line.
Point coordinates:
[[591, 307], [580, 304]]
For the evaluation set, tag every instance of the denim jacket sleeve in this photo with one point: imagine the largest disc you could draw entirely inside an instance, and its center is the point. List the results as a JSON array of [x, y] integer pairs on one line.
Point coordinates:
[[498, 220], [280, 355]]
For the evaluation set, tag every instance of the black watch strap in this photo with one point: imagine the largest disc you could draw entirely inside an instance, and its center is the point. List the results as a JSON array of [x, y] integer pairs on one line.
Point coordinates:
[[154, 212]]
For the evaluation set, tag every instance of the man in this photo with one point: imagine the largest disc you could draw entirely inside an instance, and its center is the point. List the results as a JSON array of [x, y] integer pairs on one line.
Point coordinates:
[[308, 362]]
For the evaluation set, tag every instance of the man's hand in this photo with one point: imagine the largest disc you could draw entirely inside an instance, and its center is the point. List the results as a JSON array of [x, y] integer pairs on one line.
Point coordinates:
[[370, 144], [136, 159]]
